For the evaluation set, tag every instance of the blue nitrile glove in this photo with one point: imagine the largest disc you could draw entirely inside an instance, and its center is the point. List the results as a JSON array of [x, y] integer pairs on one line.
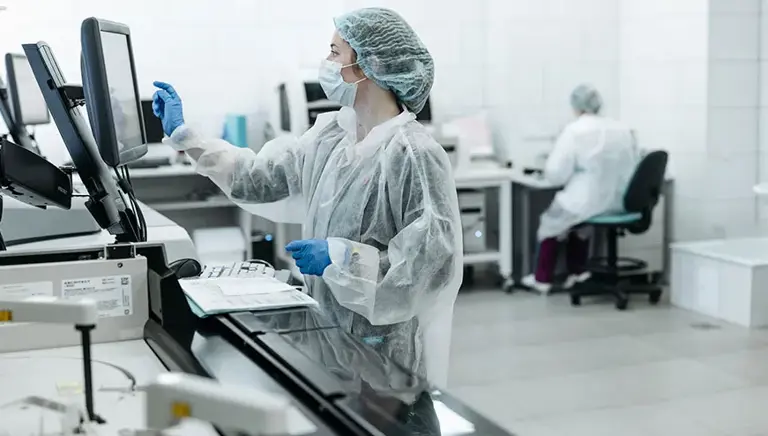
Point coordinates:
[[311, 255], [166, 104]]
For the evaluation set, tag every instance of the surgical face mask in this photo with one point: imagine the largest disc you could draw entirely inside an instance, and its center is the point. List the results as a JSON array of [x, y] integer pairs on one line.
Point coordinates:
[[336, 89]]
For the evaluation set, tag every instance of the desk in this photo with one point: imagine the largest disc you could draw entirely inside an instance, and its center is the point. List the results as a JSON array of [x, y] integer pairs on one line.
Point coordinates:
[[489, 174], [523, 230]]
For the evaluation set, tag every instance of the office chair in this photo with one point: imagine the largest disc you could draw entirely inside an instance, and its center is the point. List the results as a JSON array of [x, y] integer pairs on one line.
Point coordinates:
[[612, 274]]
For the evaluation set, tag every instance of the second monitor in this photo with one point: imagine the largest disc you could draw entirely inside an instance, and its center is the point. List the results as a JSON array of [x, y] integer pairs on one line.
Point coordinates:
[[27, 102]]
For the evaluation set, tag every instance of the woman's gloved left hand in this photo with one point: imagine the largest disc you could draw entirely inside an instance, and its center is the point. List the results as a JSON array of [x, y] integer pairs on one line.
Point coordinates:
[[311, 255], [166, 104]]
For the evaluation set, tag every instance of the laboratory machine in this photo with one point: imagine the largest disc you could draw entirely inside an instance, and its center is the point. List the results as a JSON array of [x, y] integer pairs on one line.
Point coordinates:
[[299, 102], [287, 371], [473, 219], [22, 105]]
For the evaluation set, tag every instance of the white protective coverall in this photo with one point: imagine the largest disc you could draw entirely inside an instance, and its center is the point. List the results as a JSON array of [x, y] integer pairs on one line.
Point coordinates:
[[389, 209], [594, 158]]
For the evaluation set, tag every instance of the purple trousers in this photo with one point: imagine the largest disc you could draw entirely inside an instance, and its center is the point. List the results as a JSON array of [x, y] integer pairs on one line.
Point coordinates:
[[577, 255]]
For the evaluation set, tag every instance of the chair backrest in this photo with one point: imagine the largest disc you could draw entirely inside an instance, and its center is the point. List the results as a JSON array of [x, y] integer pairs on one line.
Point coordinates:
[[645, 187]]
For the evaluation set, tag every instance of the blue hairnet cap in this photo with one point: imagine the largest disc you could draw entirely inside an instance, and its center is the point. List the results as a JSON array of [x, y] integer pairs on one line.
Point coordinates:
[[390, 53], [585, 98]]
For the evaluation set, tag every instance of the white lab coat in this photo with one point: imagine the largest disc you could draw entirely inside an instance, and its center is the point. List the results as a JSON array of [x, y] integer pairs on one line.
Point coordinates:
[[594, 158], [387, 206]]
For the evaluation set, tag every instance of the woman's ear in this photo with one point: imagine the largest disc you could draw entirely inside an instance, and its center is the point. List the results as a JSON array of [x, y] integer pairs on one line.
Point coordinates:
[[359, 72]]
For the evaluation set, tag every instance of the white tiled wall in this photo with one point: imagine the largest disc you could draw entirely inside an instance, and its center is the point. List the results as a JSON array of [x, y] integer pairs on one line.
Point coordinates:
[[762, 203], [692, 87], [219, 59], [663, 89], [227, 55], [520, 59], [733, 124], [688, 75], [538, 51]]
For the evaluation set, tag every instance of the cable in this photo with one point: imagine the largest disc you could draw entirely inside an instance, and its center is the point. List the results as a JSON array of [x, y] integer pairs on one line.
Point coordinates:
[[125, 184], [136, 208], [263, 262]]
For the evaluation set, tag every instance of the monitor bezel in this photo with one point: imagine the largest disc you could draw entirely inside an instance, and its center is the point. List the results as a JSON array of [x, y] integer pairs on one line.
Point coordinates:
[[96, 90], [13, 92]]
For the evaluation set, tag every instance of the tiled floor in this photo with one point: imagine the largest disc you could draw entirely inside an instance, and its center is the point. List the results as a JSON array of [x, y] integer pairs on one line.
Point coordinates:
[[539, 367]]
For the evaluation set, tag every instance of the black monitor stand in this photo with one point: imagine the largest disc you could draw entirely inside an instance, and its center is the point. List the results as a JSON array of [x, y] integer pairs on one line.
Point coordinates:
[[75, 97], [2, 241]]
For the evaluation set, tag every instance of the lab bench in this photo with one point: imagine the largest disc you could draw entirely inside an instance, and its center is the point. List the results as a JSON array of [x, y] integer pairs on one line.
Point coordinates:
[[331, 380]]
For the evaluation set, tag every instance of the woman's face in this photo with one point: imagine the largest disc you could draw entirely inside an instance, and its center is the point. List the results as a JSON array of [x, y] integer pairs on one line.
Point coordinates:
[[342, 53]]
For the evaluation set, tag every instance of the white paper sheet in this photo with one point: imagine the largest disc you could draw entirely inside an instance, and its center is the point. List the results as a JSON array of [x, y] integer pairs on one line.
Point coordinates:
[[224, 295]]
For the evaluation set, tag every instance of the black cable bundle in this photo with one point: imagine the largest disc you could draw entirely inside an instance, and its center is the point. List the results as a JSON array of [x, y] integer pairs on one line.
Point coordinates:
[[124, 180]]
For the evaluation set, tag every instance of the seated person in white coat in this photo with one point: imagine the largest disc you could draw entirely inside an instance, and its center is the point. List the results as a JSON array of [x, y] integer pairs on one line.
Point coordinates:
[[594, 159]]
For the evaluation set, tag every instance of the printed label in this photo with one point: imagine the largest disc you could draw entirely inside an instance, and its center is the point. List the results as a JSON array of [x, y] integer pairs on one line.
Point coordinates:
[[112, 294], [24, 290]]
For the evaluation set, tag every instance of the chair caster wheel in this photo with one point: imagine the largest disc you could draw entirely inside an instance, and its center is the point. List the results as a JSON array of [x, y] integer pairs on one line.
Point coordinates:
[[654, 297], [575, 300], [622, 303], [509, 286]]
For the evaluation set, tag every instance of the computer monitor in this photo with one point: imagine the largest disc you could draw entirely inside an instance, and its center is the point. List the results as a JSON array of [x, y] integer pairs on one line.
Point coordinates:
[[152, 124], [285, 108], [107, 202], [18, 133], [5, 108], [425, 116], [111, 91], [27, 102]]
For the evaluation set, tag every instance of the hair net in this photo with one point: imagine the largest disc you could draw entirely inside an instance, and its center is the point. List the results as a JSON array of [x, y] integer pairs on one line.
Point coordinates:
[[585, 98], [390, 53]]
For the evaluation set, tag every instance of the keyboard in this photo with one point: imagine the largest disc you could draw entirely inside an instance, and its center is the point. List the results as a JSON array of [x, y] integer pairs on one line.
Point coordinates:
[[238, 270], [242, 286]]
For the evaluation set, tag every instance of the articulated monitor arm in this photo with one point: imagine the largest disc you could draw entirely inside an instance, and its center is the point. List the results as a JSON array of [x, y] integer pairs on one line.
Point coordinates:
[[174, 396], [82, 314]]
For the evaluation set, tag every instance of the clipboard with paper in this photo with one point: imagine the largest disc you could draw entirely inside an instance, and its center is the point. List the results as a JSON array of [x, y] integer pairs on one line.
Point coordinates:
[[208, 297]]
